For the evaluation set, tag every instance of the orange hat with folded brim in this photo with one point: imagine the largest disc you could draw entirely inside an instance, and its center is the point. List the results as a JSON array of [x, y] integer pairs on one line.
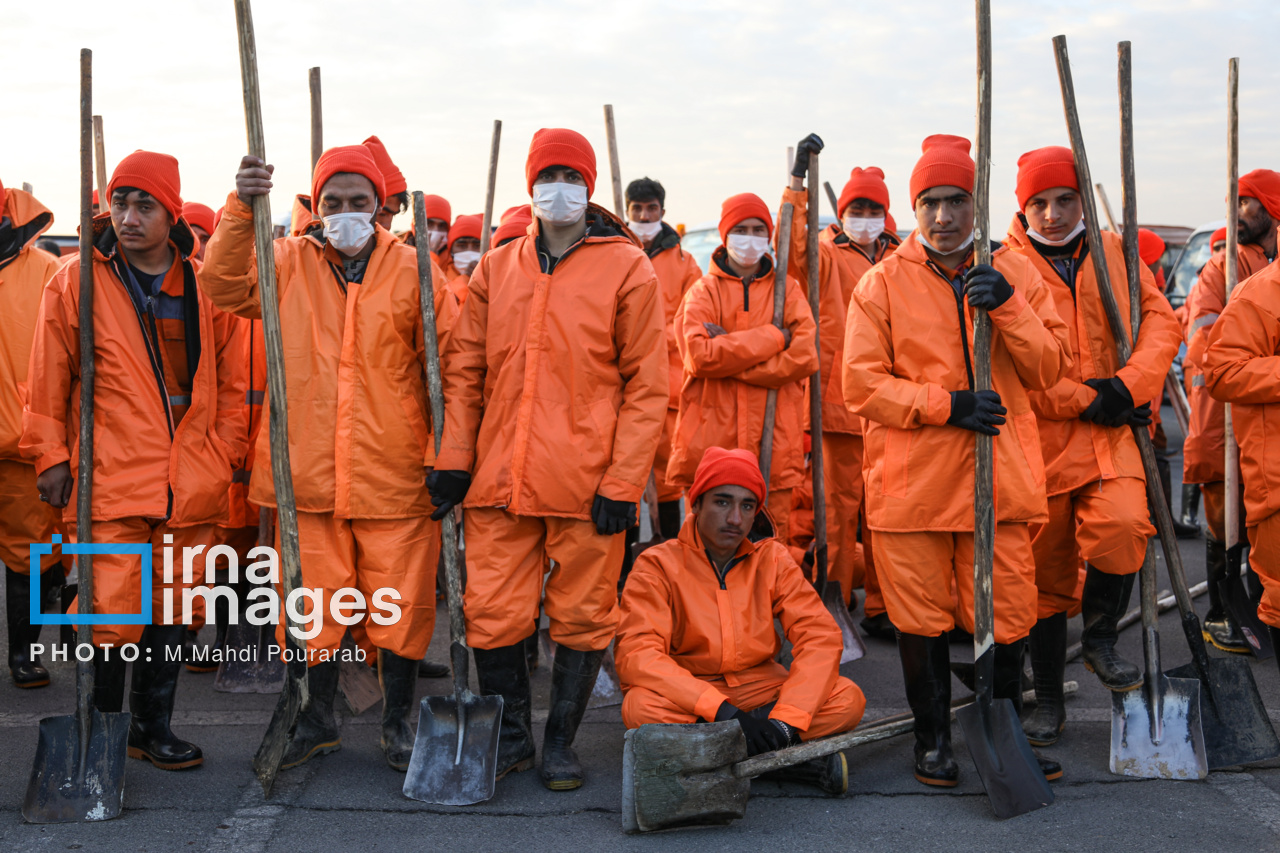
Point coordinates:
[[742, 206], [721, 467], [353, 159], [155, 174], [945, 162]]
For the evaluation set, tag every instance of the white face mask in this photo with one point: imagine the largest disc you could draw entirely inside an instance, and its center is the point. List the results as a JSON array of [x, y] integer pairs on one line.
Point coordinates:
[[435, 240], [863, 230], [348, 232], [645, 230], [559, 203], [464, 261], [968, 241], [1045, 241], [745, 249]]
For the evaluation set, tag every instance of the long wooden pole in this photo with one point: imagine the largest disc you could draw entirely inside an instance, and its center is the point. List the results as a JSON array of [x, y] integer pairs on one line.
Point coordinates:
[[317, 119], [783, 242], [831, 197], [486, 228], [615, 169], [1231, 484], [100, 161], [1106, 207], [88, 374], [816, 461], [267, 761]]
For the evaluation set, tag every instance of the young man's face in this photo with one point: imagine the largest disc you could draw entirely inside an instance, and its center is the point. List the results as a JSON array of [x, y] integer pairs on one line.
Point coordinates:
[[864, 208], [725, 515], [1219, 248], [1054, 213], [1254, 220], [347, 192], [645, 211], [560, 175], [465, 244], [437, 232], [141, 222], [753, 227], [388, 212], [203, 237], [944, 216]]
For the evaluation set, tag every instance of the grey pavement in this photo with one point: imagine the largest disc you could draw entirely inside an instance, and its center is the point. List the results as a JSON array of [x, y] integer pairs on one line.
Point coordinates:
[[351, 800]]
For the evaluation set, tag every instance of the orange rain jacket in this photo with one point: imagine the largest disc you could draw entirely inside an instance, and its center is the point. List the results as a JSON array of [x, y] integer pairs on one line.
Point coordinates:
[[1204, 450], [841, 265], [243, 512], [1241, 362], [556, 382], [21, 281], [727, 378], [683, 623], [908, 345], [1077, 452], [677, 271], [359, 423], [143, 465]]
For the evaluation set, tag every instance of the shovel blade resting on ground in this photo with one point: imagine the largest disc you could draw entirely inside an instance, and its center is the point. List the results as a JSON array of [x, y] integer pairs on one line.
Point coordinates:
[[441, 773], [681, 775], [854, 647], [1237, 728], [1243, 609], [57, 792], [248, 666], [1157, 735], [1008, 768]]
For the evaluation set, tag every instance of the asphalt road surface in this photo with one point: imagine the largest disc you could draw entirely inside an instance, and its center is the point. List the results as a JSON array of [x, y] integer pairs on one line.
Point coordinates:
[[351, 800]]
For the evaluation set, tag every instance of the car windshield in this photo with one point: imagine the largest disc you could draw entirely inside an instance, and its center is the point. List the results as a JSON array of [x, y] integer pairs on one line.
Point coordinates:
[[1190, 262], [701, 244]]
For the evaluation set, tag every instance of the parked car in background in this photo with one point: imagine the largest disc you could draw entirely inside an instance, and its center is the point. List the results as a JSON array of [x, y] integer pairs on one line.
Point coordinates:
[[1186, 269]]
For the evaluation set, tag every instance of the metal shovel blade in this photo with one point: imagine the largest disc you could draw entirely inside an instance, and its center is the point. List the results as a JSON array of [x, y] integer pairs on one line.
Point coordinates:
[[854, 647], [439, 771], [1155, 731], [1237, 728], [1244, 610], [270, 754], [677, 775], [1009, 771], [248, 666], [61, 789]]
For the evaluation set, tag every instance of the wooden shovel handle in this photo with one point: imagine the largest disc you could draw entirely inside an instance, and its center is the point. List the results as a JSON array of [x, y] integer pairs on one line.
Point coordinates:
[[783, 242], [816, 461], [84, 468], [486, 227]]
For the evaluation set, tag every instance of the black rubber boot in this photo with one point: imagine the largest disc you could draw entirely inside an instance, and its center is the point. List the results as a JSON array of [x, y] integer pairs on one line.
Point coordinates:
[[1103, 602], [399, 677], [108, 679], [878, 626], [1218, 626], [829, 775], [23, 667], [631, 540], [1007, 684], [1048, 666], [505, 672], [669, 519], [531, 648], [926, 671], [1275, 640], [430, 669], [1190, 505], [155, 681], [573, 675], [205, 659], [316, 731]]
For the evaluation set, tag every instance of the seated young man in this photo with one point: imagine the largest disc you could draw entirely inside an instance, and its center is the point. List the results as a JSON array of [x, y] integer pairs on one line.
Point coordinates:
[[726, 565]]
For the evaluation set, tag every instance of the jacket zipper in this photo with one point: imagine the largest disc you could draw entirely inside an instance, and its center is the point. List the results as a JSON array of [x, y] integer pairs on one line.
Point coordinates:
[[964, 337]]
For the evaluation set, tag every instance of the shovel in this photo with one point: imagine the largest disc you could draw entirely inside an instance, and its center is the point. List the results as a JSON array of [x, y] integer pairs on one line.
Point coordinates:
[[1236, 727], [455, 753], [1155, 731], [1009, 771], [248, 666], [698, 775], [78, 773]]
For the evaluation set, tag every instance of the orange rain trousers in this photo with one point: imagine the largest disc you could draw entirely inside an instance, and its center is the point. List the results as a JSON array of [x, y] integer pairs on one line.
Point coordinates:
[[506, 562], [917, 570], [666, 491], [24, 518], [117, 578], [839, 713], [842, 471], [1103, 523], [1264, 557], [368, 554], [873, 605]]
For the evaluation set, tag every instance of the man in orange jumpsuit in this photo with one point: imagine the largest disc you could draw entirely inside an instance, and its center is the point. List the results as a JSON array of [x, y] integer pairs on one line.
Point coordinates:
[[854, 245], [555, 390], [908, 373], [359, 426], [1094, 476], [677, 271], [1241, 365], [1204, 451], [464, 253], [24, 519], [733, 355], [168, 422], [727, 576]]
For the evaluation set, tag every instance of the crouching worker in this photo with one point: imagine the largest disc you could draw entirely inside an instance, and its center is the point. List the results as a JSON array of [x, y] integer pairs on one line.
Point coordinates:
[[727, 576]]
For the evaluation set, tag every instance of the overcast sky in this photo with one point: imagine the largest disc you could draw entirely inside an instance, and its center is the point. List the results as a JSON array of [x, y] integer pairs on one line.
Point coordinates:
[[708, 95]]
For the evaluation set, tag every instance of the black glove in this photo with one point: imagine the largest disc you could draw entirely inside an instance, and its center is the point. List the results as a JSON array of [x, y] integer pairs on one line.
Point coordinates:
[[986, 288], [811, 144], [612, 516], [763, 735], [979, 411], [447, 489], [1141, 415], [1113, 407]]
